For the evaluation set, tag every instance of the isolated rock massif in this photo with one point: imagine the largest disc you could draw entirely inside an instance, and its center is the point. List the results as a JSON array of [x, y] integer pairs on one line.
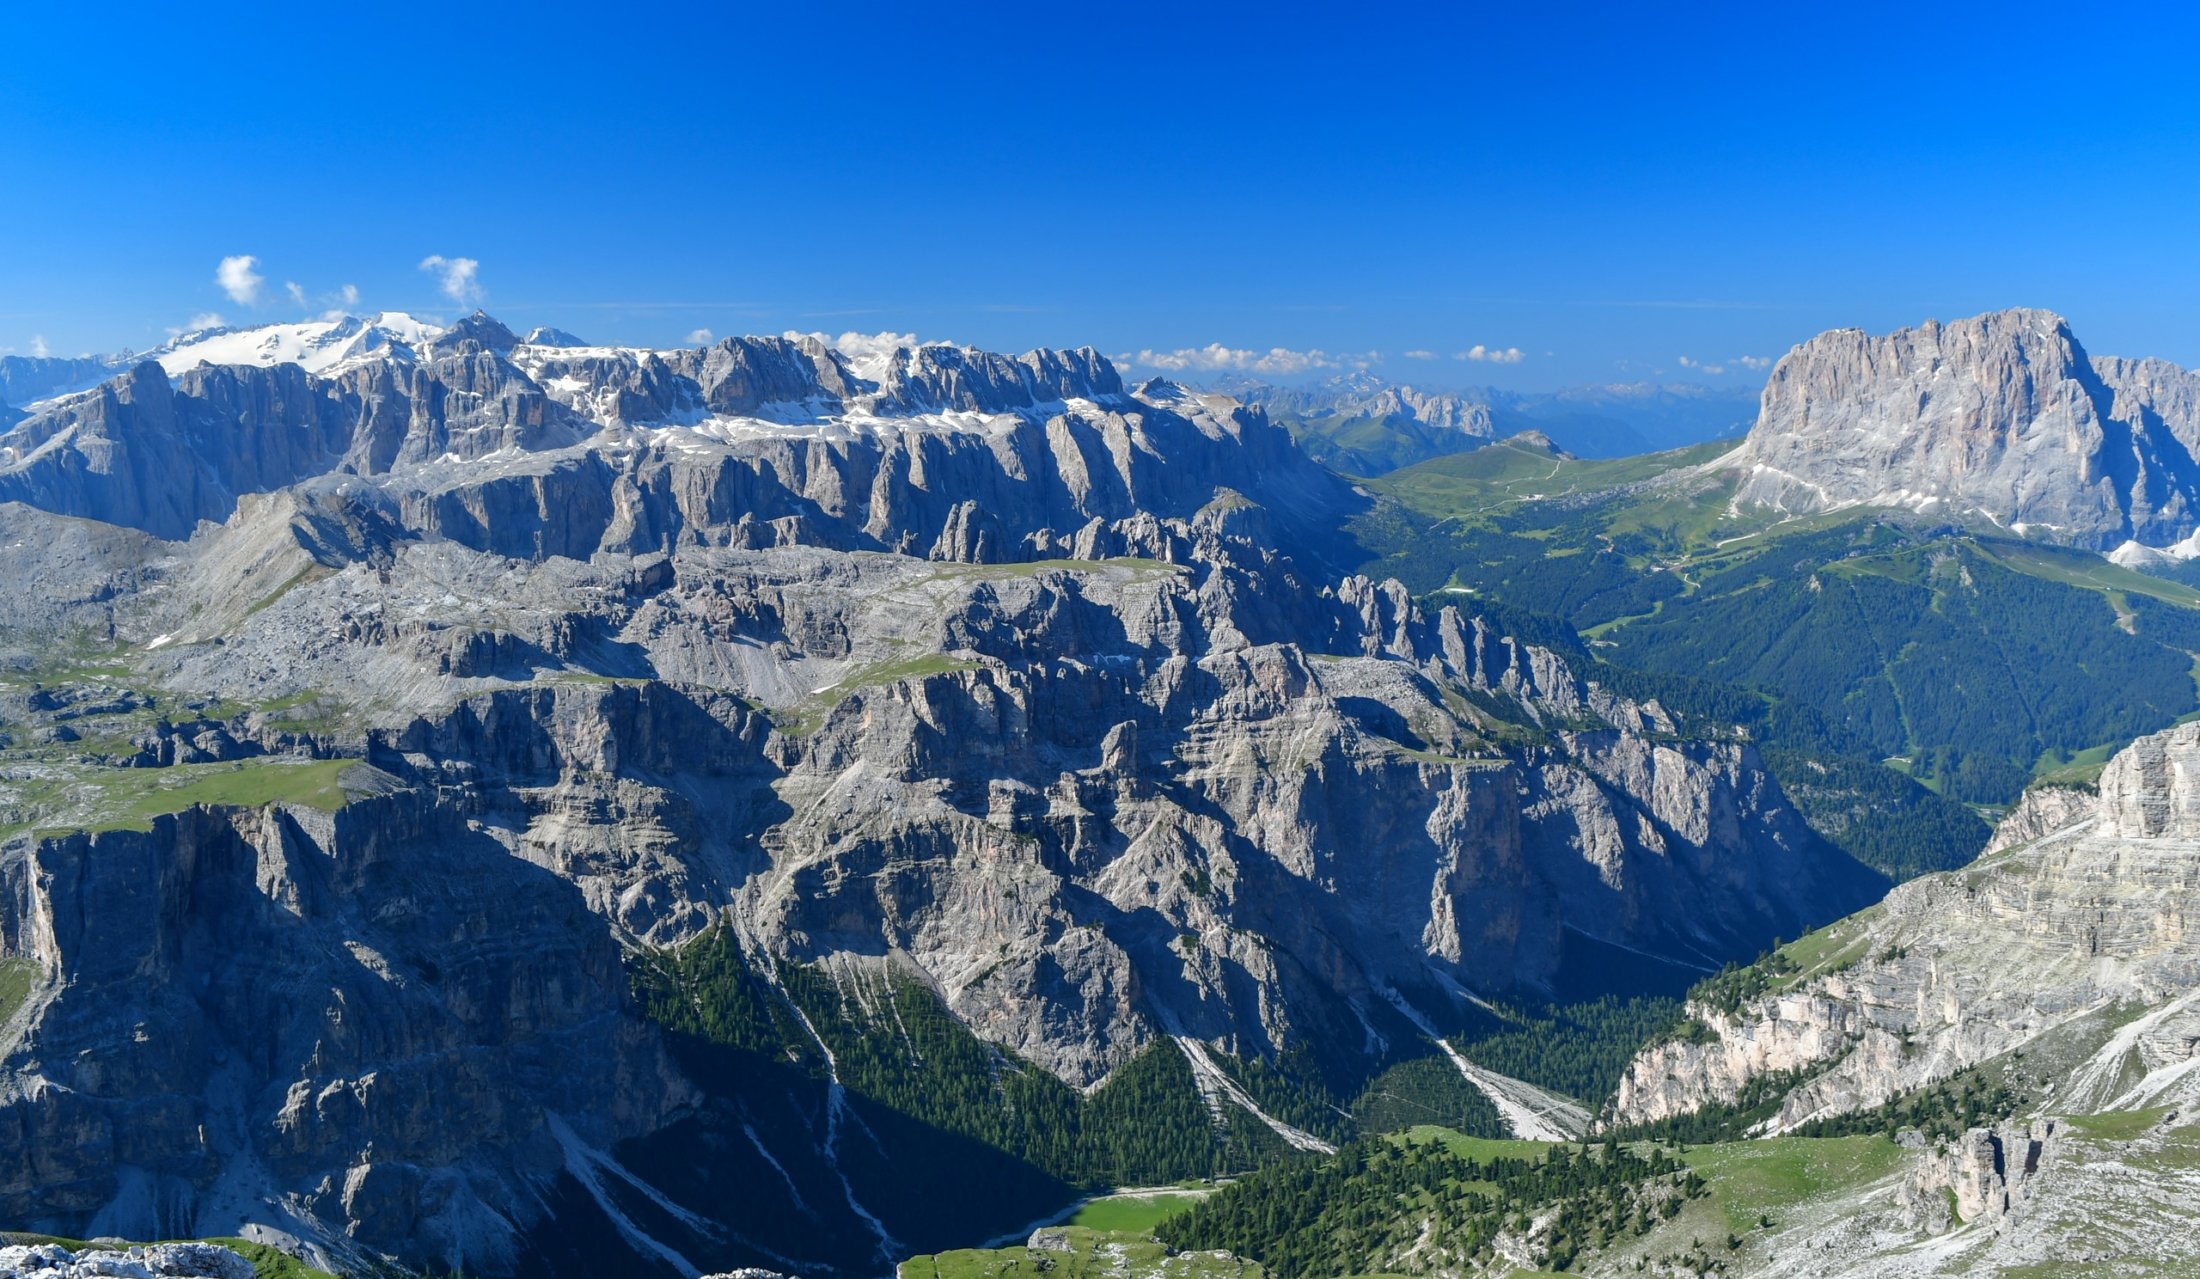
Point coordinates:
[[982, 673], [2002, 416]]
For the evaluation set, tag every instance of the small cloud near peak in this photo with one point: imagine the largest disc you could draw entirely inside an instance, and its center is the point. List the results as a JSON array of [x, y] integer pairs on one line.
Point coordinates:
[[459, 278], [239, 280]]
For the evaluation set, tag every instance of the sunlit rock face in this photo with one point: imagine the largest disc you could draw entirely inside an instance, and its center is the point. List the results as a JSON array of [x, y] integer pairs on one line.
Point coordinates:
[[2002, 417], [984, 672]]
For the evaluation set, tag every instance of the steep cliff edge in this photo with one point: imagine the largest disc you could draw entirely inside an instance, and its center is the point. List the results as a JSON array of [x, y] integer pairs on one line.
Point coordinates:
[[2062, 966], [1956, 969]]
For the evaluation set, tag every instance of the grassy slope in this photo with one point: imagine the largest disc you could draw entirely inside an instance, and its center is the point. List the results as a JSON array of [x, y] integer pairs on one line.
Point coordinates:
[[1135, 1213], [130, 798], [1748, 1183], [1088, 1254], [1505, 474], [1588, 540]]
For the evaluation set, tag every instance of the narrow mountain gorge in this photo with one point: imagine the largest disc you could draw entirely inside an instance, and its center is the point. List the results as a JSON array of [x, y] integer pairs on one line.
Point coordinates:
[[523, 807]]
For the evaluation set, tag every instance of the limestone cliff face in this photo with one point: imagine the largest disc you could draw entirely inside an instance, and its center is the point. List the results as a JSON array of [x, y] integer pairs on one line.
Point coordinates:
[[1982, 1179], [2050, 938], [2002, 416], [976, 671], [344, 1017], [2040, 812], [1089, 803], [531, 451]]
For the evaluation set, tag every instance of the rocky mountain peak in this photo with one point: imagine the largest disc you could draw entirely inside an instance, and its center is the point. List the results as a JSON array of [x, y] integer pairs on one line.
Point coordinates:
[[2002, 416], [1537, 440], [484, 330]]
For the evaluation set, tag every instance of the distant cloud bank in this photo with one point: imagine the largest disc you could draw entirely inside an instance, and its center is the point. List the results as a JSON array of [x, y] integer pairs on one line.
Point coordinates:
[[1276, 360], [1716, 367]]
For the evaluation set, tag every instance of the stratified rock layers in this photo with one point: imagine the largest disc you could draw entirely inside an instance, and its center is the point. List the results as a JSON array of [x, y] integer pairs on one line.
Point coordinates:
[[2002, 416]]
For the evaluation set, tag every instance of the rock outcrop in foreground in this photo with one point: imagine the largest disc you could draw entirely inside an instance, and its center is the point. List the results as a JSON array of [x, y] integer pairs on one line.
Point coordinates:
[[157, 1261], [2065, 963]]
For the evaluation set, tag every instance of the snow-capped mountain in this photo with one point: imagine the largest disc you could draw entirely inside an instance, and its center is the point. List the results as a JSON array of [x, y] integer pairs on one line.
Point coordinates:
[[317, 346]]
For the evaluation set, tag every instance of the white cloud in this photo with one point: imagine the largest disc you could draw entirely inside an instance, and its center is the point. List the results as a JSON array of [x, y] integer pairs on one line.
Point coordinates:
[[349, 294], [1492, 354], [701, 337], [239, 280], [1215, 358], [856, 345], [205, 320], [38, 345], [460, 278], [1420, 355], [297, 294], [1746, 361]]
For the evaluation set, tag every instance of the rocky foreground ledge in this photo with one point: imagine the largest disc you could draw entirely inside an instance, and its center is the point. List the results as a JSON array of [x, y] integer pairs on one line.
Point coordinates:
[[157, 1261]]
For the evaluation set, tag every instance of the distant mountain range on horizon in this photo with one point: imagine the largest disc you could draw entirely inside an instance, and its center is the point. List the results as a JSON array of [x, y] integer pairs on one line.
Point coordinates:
[[1365, 424]]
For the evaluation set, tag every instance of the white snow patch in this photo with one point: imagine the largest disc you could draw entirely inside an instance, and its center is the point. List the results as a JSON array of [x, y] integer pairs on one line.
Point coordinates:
[[2134, 554], [317, 346]]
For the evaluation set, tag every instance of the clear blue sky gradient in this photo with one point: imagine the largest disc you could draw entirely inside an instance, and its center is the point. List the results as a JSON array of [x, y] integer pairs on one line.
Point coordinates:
[[1608, 188]]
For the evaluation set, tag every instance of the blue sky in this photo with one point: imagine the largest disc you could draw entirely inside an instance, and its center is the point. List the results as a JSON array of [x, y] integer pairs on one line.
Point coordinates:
[[1603, 189]]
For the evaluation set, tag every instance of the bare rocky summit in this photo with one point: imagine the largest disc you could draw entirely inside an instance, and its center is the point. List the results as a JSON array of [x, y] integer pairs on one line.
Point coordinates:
[[2002, 417]]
